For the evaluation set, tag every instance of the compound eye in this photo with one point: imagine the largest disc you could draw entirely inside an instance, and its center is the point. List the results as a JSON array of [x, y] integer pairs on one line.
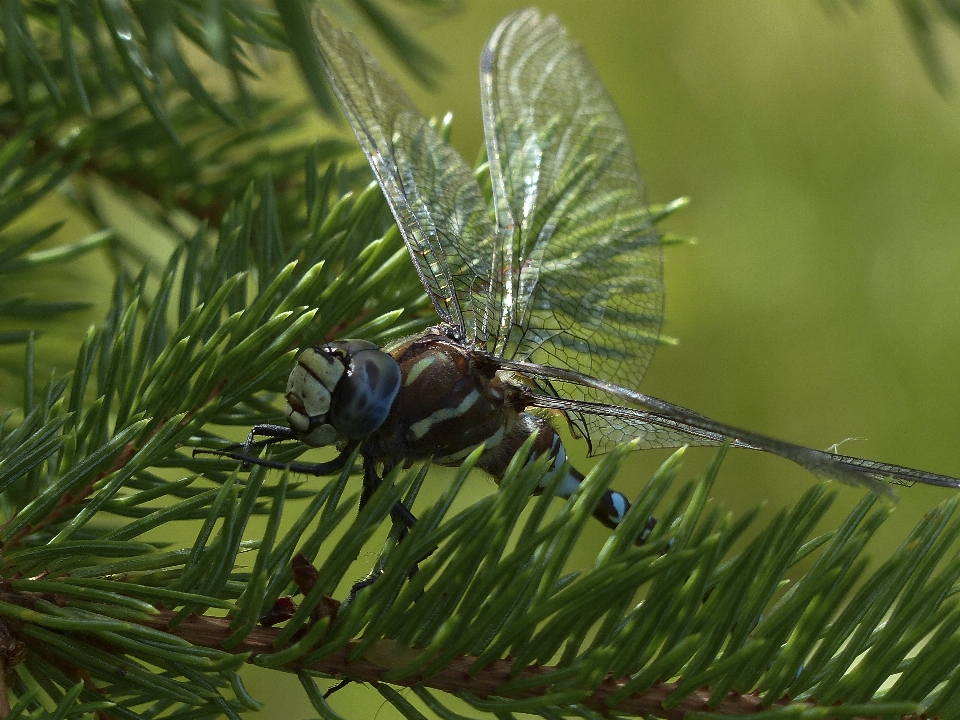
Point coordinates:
[[351, 347], [364, 397]]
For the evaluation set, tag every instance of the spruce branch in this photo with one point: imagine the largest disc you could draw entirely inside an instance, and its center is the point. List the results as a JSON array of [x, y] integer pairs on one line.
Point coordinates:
[[276, 250], [476, 616], [114, 94], [490, 609]]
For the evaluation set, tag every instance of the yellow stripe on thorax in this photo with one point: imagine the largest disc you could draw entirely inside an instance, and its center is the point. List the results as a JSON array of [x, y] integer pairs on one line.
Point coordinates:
[[490, 442], [421, 428], [418, 368]]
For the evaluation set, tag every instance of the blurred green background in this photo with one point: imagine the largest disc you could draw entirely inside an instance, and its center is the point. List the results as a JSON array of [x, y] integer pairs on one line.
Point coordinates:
[[821, 301]]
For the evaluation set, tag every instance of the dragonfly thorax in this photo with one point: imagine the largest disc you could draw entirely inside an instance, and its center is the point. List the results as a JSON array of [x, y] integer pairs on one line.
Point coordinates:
[[340, 391]]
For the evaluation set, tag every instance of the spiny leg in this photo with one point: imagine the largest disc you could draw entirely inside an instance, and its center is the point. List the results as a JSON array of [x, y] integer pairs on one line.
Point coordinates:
[[248, 451], [275, 433], [371, 483], [400, 514], [331, 467], [339, 686]]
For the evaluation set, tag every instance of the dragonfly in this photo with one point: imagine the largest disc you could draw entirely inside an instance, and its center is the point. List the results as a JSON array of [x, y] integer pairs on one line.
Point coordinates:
[[550, 302]]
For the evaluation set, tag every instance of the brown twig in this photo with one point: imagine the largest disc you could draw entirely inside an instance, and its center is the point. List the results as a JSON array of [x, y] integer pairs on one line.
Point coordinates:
[[71, 499], [129, 450], [386, 655], [456, 676]]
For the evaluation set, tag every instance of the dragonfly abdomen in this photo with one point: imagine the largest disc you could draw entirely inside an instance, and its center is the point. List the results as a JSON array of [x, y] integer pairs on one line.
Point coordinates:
[[613, 505], [449, 404]]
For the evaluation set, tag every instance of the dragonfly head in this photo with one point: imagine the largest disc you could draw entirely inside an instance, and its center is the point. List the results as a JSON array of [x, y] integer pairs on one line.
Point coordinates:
[[340, 391]]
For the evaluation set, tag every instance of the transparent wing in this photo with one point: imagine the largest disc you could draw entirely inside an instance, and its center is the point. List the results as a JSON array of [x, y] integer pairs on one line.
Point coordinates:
[[584, 288], [432, 193], [656, 423]]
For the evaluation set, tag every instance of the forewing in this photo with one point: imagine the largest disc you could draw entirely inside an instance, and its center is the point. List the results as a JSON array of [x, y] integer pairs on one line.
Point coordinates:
[[647, 430], [657, 423], [585, 288], [432, 193]]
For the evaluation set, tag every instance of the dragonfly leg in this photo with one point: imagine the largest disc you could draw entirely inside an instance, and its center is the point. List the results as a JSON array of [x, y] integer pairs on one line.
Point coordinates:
[[273, 433], [251, 446], [371, 482], [400, 514], [378, 571], [339, 686], [331, 467]]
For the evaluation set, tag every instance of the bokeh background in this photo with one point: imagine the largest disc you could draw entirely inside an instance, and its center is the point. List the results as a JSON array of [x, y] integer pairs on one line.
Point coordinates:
[[821, 301]]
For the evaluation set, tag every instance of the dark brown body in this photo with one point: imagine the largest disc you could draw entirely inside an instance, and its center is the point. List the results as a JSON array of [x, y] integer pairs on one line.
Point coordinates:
[[448, 404], [451, 401]]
